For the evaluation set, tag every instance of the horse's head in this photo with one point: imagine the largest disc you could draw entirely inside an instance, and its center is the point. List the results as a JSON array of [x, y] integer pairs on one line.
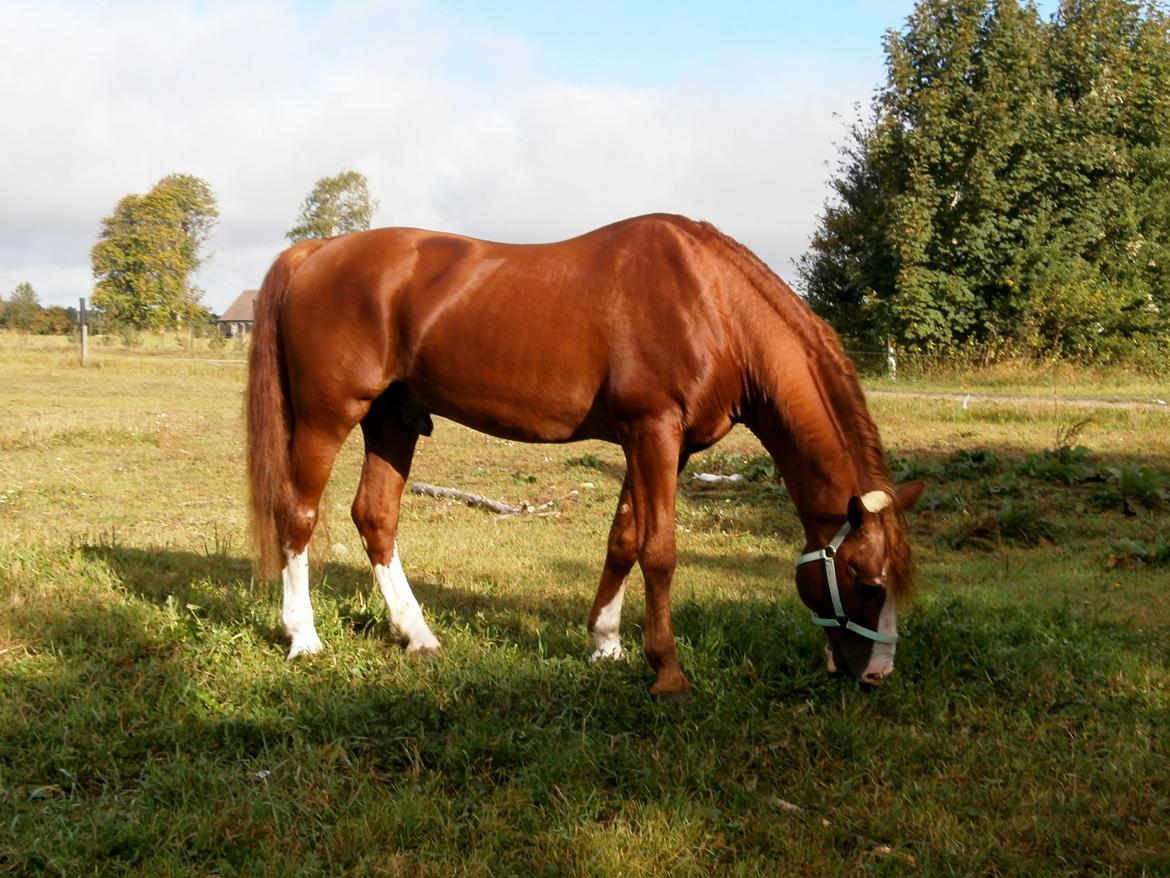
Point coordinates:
[[851, 583]]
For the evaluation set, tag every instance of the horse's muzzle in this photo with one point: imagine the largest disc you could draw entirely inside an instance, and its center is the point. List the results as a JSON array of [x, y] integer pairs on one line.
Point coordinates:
[[875, 676]]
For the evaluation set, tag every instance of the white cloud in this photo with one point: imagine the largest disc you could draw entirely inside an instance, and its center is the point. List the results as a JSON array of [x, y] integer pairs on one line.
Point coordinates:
[[261, 100]]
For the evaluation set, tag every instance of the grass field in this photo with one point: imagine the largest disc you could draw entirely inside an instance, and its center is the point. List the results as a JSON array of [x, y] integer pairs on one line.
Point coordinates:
[[149, 724]]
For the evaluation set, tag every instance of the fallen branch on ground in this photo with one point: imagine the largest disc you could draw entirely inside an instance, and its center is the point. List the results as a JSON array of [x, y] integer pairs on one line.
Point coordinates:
[[481, 502], [476, 500], [715, 477]]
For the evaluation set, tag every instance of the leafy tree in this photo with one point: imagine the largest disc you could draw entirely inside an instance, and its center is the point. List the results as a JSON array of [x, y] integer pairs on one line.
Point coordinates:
[[149, 249], [22, 309], [1009, 187], [55, 320], [336, 206], [1111, 178]]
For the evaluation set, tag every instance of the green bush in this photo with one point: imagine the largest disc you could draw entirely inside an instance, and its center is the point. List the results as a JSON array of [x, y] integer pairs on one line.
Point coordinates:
[[1140, 484], [1067, 466], [973, 464], [1130, 552], [1015, 524]]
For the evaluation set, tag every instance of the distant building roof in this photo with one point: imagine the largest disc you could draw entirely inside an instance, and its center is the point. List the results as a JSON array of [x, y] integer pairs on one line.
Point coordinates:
[[242, 309]]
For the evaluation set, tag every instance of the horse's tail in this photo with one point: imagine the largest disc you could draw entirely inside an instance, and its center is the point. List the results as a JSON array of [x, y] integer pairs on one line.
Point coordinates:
[[269, 413]]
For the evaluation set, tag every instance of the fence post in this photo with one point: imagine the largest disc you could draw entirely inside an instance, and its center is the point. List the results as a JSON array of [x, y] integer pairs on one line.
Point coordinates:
[[82, 319], [891, 360]]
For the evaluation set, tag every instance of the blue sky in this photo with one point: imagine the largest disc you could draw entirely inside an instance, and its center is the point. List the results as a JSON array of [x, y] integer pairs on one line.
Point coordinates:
[[513, 121], [654, 44]]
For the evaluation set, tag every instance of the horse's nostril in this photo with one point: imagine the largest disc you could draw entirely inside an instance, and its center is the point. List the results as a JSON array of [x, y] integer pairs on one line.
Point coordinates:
[[874, 678]]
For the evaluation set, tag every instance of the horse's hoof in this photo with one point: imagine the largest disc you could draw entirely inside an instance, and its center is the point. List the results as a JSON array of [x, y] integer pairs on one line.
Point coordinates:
[[683, 696], [675, 687], [608, 654], [422, 653], [307, 643]]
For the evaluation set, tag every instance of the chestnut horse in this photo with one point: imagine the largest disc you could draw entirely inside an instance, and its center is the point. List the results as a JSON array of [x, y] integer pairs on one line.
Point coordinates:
[[656, 333]]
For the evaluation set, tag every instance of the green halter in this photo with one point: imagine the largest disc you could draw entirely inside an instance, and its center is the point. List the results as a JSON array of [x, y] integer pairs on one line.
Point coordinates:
[[840, 620]]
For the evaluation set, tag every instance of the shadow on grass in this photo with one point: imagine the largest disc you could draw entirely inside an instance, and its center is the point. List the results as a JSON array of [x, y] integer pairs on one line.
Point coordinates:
[[220, 588], [943, 628], [745, 656]]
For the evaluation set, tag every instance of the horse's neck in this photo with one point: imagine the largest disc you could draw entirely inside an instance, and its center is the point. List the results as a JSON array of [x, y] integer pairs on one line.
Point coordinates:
[[820, 480], [797, 402], [791, 414]]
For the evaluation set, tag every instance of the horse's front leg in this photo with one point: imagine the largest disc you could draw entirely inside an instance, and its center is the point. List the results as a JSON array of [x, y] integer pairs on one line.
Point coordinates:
[[622, 550], [652, 456]]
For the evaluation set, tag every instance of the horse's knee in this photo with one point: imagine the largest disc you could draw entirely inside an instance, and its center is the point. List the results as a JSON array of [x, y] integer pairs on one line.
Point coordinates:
[[377, 528], [622, 548], [367, 518], [621, 553], [657, 561], [298, 527]]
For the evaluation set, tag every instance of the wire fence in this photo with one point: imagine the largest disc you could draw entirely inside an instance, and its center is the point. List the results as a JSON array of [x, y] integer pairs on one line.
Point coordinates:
[[874, 363]]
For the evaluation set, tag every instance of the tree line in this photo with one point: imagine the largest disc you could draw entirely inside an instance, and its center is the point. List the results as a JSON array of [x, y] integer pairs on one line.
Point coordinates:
[[151, 246], [23, 311], [1008, 191]]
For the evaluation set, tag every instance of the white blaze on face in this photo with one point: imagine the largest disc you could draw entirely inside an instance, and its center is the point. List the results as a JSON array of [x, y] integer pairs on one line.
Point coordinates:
[[606, 635], [881, 658], [296, 612], [405, 614]]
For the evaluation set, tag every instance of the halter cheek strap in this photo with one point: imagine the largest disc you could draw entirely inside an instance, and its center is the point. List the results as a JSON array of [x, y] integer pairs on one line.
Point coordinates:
[[840, 620]]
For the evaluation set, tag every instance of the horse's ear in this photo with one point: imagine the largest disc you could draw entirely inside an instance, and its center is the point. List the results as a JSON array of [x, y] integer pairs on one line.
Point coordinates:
[[876, 501], [909, 493], [871, 501]]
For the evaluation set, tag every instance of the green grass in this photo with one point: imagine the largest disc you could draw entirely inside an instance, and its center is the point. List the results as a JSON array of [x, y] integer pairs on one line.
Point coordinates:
[[1042, 380], [149, 724]]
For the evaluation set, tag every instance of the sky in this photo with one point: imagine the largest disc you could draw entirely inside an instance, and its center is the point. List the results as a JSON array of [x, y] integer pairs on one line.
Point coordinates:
[[513, 121]]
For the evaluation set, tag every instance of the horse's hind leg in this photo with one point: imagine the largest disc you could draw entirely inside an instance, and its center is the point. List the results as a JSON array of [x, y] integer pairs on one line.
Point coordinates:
[[313, 452], [621, 551], [389, 449]]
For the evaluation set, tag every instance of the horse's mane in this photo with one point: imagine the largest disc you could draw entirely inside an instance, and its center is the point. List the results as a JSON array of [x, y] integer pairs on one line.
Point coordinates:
[[841, 389]]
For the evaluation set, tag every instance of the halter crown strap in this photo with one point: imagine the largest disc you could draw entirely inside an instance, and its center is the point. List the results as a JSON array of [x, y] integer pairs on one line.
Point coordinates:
[[841, 620]]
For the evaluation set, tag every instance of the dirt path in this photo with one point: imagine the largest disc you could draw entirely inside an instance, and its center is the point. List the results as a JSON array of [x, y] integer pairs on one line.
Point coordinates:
[[968, 399]]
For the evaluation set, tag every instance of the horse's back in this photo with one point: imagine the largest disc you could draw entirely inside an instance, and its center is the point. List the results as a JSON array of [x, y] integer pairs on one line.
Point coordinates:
[[536, 341]]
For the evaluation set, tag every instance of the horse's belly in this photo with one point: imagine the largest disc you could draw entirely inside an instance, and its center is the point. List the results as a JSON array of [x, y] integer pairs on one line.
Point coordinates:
[[515, 419], [515, 376], [532, 409]]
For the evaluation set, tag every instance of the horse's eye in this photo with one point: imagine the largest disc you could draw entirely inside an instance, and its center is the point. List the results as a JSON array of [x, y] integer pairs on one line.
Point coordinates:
[[869, 590]]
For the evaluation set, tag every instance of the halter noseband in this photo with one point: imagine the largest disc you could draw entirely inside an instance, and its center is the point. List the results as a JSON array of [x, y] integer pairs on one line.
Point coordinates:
[[841, 620]]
